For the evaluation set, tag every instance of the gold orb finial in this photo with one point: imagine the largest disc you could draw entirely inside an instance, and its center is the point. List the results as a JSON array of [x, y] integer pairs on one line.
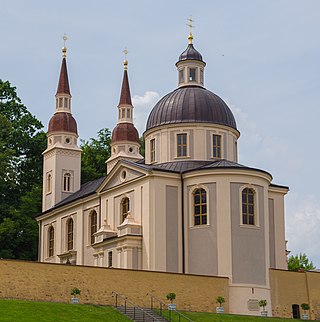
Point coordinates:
[[64, 48], [190, 25], [125, 62]]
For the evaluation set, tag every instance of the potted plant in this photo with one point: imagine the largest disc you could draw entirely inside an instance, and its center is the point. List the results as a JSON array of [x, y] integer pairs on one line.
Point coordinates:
[[171, 297], [305, 307], [263, 304], [75, 292], [220, 300]]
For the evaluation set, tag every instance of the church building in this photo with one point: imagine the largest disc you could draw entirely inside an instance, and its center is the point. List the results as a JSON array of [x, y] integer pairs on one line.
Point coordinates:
[[187, 207]]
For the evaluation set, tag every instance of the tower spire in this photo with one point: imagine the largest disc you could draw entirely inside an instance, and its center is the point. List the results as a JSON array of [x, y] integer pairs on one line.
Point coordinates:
[[125, 95], [63, 85]]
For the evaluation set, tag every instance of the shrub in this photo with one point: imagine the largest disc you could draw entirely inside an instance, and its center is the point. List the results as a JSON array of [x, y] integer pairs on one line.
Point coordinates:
[[75, 291], [171, 296], [220, 300]]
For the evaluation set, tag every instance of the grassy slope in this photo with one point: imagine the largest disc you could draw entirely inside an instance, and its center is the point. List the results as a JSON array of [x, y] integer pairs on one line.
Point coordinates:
[[25, 311], [212, 317]]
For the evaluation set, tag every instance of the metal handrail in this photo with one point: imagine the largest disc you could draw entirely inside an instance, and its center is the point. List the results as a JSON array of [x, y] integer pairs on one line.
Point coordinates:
[[180, 315], [125, 298], [162, 304]]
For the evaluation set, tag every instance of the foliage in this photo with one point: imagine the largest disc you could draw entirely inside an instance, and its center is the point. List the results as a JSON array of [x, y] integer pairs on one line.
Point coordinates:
[[263, 303], [75, 291], [305, 307], [29, 311], [142, 146], [95, 153], [21, 145], [300, 262], [220, 300], [171, 296]]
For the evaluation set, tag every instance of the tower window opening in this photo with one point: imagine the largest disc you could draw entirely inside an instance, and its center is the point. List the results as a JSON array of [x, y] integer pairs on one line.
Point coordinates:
[[201, 76], [182, 145], [49, 183], [128, 113], [181, 76], [65, 102], [123, 113], [192, 74], [152, 150], [60, 101], [216, 146], [67, 182]]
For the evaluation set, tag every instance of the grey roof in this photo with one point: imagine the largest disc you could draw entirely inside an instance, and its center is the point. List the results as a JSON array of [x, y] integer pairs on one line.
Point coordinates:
[[191, 104], [91, 187], [85, 190]]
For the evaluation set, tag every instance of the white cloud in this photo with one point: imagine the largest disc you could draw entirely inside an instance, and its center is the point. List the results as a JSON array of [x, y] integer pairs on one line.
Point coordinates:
[[142, 107], [302, 226]]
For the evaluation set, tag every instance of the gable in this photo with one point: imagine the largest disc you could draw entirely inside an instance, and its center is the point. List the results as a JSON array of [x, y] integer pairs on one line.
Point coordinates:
[[121, 175]]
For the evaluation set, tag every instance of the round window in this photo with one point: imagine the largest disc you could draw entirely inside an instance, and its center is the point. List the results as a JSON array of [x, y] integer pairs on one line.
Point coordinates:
[[123, 175], [130, 150], [68, 140]]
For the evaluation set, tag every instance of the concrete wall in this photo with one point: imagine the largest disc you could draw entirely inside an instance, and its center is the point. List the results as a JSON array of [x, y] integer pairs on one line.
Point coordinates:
[[288, 288], [53, 282]]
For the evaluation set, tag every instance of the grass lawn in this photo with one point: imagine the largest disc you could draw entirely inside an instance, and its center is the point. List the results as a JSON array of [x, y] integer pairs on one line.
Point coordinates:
[[212, 317], [23, 311]]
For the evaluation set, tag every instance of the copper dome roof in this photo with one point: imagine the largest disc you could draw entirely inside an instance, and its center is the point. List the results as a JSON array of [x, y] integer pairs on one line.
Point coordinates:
[[191, 104], [125, 132], [62, 122]]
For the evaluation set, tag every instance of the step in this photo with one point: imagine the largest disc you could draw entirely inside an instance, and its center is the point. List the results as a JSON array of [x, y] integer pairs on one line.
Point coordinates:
[[138, 315]]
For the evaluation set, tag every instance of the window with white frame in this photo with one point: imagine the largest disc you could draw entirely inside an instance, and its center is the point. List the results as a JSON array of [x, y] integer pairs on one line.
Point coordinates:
[[93, 225], [248, 207], [216, 146], [182, 145], [125, 207], [200, 207], [50, 241], [152, 150], [70, 234]]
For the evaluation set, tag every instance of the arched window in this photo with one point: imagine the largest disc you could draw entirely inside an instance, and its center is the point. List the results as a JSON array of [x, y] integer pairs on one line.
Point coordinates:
[[67, 182], [125, 207], [248, 206], [200, 207], [93, 225], [51, 241], [49, 183], [70, 234]]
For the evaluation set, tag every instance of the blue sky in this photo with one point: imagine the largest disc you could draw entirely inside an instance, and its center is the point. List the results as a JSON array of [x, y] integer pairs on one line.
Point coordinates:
[[262, 58]]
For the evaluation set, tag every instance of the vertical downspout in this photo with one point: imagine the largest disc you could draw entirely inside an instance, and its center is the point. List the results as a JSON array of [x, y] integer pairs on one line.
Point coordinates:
[[182, 223]]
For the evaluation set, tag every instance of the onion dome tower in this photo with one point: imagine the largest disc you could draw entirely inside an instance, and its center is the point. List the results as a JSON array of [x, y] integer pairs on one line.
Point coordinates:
[[62, 158], [191, 122], [125, 143]]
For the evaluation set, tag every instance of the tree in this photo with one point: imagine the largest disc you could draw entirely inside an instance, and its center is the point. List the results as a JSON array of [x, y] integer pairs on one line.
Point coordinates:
[[300, 262], [95, 153], [21, 145]]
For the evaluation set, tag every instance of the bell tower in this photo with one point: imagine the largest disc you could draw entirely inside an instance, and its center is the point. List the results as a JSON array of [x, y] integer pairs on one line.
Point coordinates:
[[62, 158], [125, 143]]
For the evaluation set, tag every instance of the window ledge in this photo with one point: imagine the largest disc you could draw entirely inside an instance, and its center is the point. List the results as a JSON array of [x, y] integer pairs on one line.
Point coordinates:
[[249, 226], [181, 158], [200, 226]]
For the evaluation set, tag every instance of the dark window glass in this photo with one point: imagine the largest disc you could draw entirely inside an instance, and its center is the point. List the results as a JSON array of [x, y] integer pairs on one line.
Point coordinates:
[[51, 241], [248, 206], [125, 206], [93, 225], [182, 145], [200, 207], [152, 150], [110, 259], [181, 76], [216, 146], [192, 74], [70, 234]]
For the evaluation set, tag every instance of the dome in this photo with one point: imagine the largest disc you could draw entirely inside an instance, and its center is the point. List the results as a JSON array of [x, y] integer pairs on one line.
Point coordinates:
[[191, 104], [62, 122], [125, 132], [190, 53]]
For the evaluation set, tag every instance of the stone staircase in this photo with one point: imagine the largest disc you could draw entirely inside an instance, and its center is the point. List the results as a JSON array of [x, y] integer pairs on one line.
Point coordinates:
[[138, 314]]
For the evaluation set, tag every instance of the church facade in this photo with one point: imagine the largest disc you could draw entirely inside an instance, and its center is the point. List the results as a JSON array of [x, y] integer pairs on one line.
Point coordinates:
[[187, 207]]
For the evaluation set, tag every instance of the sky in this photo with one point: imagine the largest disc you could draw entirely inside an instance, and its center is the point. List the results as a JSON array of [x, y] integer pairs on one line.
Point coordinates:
[[263, 60]]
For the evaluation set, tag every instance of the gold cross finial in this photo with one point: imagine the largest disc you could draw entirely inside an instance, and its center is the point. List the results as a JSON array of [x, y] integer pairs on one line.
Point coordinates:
[[64, 48], [125, 62], [190, 24]]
